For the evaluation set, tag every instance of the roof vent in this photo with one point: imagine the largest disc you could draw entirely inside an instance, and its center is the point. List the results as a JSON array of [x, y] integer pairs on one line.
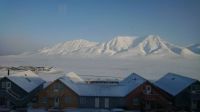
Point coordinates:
[[173, 78], [134, 78], [25, 74]]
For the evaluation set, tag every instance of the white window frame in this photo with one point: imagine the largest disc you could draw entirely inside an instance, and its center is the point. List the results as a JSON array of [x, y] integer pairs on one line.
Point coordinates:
[[148, 89], [8, 85]]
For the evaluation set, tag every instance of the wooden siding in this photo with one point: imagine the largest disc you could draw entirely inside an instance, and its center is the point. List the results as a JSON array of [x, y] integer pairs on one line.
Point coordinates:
[[16, 94], [183, 100], [139, 100], [89, 102], [19, 97], [15, 88], [67, 98]]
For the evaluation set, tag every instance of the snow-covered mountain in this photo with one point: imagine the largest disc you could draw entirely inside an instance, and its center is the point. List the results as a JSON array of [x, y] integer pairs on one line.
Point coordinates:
[[68, 47], [121, 46], [194, 48]]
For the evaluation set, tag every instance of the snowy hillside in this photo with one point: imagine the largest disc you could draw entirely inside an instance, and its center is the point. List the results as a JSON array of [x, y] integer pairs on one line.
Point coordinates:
[[194, 48], [68, 47], [121, 46]]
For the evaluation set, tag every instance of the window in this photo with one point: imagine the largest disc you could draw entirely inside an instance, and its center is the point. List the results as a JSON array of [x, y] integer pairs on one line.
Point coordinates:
[[61, 86], [3, 84], [96, 102], [44, 100], [106, 102], [136, 101], [147, 89], [68, 99], [56, 87], [8, 85]]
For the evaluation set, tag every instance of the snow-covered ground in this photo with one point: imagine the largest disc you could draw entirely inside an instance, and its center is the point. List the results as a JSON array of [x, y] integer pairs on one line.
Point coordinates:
[[151, 68]]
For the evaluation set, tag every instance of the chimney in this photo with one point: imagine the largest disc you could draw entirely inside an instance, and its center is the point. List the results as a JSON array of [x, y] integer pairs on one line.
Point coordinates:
[[8, 71]]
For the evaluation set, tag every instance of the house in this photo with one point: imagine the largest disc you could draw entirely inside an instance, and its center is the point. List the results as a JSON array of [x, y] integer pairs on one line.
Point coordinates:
[[131, 93], [184, 92], [143, 95], [17, 90], [56, 94]]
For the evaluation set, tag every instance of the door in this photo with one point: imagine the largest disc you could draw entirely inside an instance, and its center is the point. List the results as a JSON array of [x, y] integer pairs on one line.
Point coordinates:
[[96, 102], [147, 105], [56, 102], [106, 102], [194, 104], [2, 101]]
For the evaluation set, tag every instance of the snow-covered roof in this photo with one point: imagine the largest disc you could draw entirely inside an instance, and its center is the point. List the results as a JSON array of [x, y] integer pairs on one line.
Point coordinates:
[[173, 83], [27, 80], [119, 90], [74, 77]]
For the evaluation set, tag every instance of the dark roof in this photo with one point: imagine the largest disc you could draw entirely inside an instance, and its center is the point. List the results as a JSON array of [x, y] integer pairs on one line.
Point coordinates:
[[174, 83]]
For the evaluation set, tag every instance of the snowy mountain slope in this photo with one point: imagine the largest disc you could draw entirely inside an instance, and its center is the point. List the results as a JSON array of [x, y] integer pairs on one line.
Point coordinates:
[[67, 47], [179, 50], [121, 46], [194, 48]]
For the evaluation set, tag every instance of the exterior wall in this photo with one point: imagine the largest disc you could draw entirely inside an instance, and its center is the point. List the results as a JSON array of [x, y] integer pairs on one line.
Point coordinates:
[[67, 98], [112, 102], [18, 93], [195, 96], [182, 100], [15, 88], [23, 97], [185, 99], [139, 99]]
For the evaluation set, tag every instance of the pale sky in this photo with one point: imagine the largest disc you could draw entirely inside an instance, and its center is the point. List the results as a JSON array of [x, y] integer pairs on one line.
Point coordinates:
[[28, 25]]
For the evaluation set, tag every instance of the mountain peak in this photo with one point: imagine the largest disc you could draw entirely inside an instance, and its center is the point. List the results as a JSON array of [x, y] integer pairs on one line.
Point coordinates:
[[120, 46], [119, 43], [153, 44], [153, 37]]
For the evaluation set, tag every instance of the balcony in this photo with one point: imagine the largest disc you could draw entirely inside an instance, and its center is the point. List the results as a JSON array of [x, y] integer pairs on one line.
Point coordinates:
[[151, 97]]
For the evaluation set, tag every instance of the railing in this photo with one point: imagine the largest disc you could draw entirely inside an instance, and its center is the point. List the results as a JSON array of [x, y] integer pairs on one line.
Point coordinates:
[[150, 96], [13, 94]]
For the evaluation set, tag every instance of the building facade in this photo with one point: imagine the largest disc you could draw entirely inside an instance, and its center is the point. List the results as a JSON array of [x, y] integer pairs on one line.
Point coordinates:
[[17, 90], [184, 92], [57, 95], [134, 92]]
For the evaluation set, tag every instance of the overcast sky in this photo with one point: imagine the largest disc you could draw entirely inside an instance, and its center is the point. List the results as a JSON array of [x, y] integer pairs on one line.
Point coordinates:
[[28, 25]]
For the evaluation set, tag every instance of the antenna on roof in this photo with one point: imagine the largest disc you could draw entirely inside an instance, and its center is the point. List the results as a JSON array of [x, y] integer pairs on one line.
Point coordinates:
[[8, 71]]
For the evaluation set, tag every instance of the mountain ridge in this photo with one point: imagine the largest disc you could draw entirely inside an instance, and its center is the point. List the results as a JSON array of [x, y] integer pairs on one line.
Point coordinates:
[[123, 46]]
